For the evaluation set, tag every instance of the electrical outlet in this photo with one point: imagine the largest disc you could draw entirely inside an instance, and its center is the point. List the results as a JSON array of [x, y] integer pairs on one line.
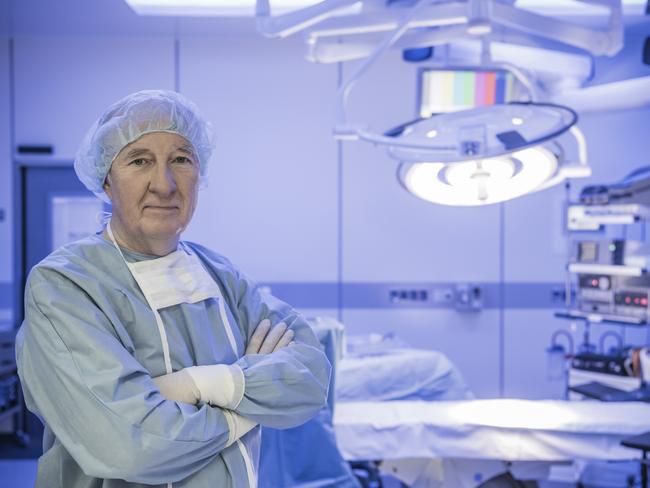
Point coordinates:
[[443, 296], [468, 297], [408, 295]]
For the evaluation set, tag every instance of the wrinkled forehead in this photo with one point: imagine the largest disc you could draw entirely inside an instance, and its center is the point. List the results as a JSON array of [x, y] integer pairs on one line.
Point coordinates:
[[157, 142]]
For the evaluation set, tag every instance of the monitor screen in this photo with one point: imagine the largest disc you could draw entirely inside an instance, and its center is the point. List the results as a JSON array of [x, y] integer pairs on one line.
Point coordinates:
[[448, 90]]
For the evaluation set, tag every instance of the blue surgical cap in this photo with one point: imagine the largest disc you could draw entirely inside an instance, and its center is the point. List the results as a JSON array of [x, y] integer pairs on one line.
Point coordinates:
[[130, 118]]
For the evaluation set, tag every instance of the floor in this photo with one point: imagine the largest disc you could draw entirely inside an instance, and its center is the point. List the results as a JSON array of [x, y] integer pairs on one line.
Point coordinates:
[[21, 473], [18, 473]]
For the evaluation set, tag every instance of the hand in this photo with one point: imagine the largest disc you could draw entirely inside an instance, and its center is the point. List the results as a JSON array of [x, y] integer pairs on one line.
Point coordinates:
[[178, 386], [266, 340]]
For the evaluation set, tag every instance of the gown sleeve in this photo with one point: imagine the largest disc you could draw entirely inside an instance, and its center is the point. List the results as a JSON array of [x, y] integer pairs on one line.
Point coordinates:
[[289, 386], [100, 402]]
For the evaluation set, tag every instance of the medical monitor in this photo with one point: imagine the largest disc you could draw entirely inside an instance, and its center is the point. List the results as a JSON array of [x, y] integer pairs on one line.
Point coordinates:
[[452, 89]]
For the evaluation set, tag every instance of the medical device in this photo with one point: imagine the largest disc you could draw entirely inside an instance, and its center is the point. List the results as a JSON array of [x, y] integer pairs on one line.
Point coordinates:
[[622, 375], [611, 274], [633, 189], [608, 275], [605, 377], [624, 202], [612, 279], [594, 217]]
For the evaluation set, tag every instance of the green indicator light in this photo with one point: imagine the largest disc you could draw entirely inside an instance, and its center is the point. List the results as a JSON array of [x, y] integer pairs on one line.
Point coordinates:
[[612, 247]]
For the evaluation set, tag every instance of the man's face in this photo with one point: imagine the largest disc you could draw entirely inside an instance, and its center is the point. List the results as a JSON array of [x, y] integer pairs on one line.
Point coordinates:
[[153, 187]]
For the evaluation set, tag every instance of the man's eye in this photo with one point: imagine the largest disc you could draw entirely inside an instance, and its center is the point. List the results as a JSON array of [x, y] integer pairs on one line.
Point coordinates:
[[182, 160], [138, 162]]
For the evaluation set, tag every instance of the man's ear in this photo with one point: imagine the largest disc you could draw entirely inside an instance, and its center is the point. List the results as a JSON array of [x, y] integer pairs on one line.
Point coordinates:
[[107, 187]]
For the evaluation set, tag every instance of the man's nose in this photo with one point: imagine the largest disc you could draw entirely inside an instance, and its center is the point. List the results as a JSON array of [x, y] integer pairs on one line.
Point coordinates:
[[163, 181]]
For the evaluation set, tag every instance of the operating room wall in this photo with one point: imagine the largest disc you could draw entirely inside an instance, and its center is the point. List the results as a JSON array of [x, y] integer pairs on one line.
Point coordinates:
[[77, 78], [292, 207]]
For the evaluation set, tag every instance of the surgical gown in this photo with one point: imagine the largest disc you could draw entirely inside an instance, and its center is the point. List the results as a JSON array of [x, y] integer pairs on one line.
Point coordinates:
[[89, 347]]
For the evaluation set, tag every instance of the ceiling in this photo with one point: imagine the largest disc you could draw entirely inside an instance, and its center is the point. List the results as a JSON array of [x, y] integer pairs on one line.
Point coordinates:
[[110, 17]]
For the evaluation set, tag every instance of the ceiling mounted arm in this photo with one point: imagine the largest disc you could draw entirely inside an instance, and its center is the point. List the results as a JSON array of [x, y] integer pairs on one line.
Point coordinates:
[[388, 19], [597, 42], [292, 22], [479, 17], [342, 130]]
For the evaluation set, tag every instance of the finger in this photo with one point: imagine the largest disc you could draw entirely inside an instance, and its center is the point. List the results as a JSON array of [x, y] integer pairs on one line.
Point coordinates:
[[258, 337], [272, 338], [285, 340]]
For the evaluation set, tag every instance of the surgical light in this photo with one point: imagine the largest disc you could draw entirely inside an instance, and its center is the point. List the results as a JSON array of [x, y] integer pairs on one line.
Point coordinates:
[[479, 158], [480, 182], [477, 133]]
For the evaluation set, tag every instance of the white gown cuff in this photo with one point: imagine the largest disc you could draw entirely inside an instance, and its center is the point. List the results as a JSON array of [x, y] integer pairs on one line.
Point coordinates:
[[220, 385]]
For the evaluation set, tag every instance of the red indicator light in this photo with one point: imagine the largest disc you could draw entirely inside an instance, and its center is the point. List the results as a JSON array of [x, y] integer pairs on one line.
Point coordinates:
[[636, 301], [627, 300], [594, 282], [644, 301]]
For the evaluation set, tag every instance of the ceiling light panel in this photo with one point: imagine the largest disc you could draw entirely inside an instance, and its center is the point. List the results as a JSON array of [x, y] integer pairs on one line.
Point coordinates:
[[246, 8], [216, 8]]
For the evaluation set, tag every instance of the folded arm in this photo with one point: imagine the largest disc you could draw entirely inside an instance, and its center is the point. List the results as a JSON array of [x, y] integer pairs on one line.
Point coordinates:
[[288, 386], [279, 387], [222, 385]]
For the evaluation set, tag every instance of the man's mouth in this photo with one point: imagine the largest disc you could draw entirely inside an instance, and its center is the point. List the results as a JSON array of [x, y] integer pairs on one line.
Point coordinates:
[[162, 208]]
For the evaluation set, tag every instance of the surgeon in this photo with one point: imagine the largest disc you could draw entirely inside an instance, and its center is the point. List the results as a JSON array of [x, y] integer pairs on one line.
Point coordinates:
[[151, 360]]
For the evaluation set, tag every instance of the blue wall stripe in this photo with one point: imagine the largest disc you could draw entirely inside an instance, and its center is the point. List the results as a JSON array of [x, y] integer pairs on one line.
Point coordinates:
[[438, 295], [6, 295], [378, 295], [306, 295]]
